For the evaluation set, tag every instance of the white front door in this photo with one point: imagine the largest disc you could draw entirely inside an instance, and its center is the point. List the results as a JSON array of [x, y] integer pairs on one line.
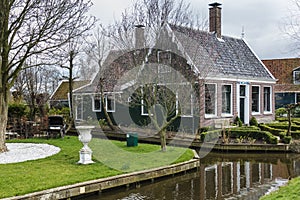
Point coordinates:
[[243, 102]]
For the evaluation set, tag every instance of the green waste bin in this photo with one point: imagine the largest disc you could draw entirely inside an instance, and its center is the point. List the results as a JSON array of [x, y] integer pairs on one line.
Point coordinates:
[[132, 139]]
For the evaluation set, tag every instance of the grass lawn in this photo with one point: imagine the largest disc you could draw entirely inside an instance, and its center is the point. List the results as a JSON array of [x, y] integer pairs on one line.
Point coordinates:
[[62, 168], [290, 191]]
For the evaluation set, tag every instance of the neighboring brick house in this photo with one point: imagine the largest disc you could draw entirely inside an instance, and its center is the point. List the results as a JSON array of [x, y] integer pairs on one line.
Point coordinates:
[[287, 73], [59, 97], [236, 84]]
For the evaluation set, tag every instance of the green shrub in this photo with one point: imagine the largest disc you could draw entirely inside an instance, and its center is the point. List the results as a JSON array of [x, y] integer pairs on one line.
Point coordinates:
[[295, 135], [274, 131], [253, 121], [283, 126], [255, 134], [209, 136], [287, 139], [238, 121], [280, 112], [17, 110]]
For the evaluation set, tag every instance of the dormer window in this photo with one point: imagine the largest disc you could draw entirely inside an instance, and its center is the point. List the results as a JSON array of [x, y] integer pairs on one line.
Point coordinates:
[[296, 76]]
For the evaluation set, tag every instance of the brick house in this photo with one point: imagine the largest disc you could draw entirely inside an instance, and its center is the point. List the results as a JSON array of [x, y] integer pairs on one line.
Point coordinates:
[[287, 72], [231, 80]]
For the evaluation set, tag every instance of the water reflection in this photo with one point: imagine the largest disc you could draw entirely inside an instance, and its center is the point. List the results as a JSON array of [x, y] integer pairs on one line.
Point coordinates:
[[220, 176]]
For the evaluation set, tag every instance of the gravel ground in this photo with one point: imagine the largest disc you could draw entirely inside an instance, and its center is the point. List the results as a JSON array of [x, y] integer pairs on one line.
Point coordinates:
[[20, 152]]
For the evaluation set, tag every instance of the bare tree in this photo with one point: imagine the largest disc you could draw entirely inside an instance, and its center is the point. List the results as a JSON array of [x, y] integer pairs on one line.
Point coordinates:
[[154, 15], [292, 25], [33, 27], [98, 47]]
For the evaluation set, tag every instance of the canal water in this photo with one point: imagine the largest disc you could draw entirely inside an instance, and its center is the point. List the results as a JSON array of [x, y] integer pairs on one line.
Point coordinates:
[[220, 176]]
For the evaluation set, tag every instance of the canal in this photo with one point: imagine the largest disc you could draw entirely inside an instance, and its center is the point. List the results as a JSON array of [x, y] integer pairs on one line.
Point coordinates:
[[220, 176]]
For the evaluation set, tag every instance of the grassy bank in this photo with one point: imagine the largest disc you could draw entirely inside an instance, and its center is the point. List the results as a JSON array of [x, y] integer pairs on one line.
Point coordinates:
[[62, 168], [290, 191]]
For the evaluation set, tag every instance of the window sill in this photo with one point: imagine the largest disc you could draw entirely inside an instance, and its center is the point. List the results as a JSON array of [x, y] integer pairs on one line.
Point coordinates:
[[210, 116], [268, 113], [256, 113], [226, 115]]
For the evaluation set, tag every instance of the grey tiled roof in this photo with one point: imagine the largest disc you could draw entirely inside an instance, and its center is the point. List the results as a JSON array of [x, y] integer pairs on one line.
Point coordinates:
[[226, 57]]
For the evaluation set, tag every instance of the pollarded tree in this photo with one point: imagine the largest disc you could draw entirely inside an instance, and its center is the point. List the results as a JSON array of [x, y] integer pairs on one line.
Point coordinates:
[[292, 25], [33, 27], [150, 17]]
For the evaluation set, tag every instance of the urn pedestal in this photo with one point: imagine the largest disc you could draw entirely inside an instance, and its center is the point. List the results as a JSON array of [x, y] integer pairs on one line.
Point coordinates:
[[85, 136]]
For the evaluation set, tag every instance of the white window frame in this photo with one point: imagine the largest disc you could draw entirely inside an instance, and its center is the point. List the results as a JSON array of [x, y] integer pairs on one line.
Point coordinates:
[[294, 77], [270, 102], [259, 99], [79, 104], [144, 112], [231, 101], [216, 102], [93, 103], [113, 101], [159, 60]]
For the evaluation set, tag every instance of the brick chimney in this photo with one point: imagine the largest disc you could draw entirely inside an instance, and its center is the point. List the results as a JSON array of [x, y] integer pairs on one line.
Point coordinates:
[[139, 36], [215, 19]]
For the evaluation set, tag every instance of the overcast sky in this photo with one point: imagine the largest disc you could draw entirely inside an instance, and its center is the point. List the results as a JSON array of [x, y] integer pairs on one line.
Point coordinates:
[[262, 21]]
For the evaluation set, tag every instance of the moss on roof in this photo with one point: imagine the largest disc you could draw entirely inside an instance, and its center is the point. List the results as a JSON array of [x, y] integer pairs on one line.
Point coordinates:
[[61, 93]]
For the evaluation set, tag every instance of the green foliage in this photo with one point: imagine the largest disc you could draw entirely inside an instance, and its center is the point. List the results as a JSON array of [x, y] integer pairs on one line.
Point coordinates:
[[65, 112], [287, 139], [253, 121], [283, 126], [102, 123], [203, 129], [295, 135], [275, 131], [296, 112], [280, 112], [238, 121], [290, 191], [17, 110], [254, 134], [210, 136]]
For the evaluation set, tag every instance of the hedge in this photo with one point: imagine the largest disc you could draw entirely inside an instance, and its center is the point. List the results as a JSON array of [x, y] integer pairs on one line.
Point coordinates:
[[283, 126], [295, 135], [287, 139], [255, 134], [278, 132], [240, 132], [210, 135]]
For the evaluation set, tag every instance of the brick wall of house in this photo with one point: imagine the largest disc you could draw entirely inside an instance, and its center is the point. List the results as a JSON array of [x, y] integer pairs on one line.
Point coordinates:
[[282, 69]]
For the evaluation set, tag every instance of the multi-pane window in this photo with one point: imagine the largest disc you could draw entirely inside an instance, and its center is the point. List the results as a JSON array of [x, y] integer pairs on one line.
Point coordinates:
[[267, 99], [110, 102], [210, 99], [97, 103], [255, 99], [296, 77], [226, 99]]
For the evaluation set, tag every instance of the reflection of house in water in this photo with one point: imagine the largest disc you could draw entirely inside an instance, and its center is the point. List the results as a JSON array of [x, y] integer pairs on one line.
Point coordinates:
[[230, 179]]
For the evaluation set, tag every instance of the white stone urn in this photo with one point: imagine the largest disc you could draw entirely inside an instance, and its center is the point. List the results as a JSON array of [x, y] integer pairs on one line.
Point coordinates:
[[85, 137]]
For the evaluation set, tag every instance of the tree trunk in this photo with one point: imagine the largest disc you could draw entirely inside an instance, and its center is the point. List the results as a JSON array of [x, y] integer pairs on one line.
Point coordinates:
[[109, 122], [290, 122], [163, 141], [3, 120]]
